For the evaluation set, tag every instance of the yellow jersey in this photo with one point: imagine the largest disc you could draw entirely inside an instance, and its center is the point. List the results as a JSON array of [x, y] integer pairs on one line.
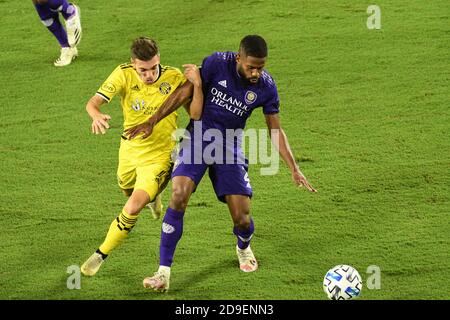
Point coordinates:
[[140, 101]]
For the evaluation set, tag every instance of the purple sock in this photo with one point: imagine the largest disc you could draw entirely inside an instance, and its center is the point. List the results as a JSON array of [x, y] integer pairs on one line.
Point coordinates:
[[51, 21], [244, 236], [66, 8], [172, 229]]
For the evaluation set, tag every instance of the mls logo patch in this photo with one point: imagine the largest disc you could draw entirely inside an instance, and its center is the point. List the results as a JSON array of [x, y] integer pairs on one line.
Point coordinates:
[[165, 88], [250, 97]]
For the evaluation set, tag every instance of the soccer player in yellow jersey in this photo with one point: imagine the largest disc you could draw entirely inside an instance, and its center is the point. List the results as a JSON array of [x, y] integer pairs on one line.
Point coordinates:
[[144, 164]]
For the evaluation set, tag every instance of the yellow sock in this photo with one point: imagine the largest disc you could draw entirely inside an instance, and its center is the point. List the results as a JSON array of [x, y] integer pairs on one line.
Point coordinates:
[[118, 230]]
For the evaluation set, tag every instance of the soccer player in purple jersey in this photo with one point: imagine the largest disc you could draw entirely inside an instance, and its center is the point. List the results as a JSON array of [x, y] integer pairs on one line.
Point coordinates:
[[233, 85], [48, 11]]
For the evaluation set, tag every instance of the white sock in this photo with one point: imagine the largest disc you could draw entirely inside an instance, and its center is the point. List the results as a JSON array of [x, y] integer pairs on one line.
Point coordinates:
[[165, 270]]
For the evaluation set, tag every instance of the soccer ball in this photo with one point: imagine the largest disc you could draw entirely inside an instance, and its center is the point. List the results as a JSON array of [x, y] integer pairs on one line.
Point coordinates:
[[342, 283]]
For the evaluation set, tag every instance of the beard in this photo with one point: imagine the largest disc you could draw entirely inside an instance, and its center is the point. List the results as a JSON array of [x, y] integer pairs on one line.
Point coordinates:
[[245, 79]]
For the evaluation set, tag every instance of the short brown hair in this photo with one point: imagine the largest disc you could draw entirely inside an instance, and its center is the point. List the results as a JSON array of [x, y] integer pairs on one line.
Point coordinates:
[[144, 48]]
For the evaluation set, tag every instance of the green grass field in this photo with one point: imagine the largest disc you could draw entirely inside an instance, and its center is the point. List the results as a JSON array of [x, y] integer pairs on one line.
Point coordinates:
[[367, 114]]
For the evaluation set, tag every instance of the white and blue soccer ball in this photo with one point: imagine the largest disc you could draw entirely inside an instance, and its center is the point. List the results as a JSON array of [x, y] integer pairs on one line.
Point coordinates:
[[342, 282]]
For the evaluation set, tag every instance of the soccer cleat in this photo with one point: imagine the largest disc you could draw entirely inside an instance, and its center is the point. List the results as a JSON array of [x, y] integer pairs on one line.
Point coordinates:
[[159, 282], [156, 207], [247, 260], [67, 55], [73, 26], [91, 266]]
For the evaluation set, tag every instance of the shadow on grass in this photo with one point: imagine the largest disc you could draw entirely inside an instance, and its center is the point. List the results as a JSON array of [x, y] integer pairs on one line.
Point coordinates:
[[183, 286], [203, 274]]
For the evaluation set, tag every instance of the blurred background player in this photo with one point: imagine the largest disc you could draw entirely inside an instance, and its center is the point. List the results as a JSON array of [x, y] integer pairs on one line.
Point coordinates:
[[48, 11], [144, 164]]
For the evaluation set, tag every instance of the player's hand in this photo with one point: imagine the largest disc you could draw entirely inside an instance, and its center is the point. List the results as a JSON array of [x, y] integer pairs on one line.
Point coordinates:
[[146, 128], [100, 123], [301, 181], [192, 73]]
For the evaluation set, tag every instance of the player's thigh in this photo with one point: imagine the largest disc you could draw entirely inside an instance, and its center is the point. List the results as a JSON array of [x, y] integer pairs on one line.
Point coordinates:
[[126, 170], [230, 179], [186, 177], [153, 178], [126, 174]]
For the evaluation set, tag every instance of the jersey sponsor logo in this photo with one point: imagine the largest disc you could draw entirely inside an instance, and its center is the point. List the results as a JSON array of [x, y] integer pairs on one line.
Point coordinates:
[[109, 87], [165, 88], [228, 102], [167, 228], [250, 97], [223, 83], [141, 106], [138, 105]]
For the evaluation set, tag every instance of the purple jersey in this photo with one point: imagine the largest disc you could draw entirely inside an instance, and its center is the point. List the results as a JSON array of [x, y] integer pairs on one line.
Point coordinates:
[[228, 100]]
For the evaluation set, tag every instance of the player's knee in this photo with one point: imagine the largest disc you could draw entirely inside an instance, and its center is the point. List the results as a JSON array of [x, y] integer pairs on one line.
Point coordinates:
[[179, 199], [132, 208], [243, 225], [242, 220]]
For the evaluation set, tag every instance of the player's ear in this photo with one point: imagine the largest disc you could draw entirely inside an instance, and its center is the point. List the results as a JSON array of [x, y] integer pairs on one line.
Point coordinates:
[[238, 58]]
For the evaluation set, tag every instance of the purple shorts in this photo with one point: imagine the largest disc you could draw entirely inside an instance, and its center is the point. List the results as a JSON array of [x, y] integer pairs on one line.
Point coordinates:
[[226, 178]]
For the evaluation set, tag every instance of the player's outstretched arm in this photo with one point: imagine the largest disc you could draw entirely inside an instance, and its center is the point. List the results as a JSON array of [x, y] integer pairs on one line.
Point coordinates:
[[99, 120], [179, 97], [192, 73], [279, 139]]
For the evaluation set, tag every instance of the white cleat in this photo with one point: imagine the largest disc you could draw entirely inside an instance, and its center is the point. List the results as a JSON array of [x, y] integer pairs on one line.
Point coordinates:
[[73, 26], [67, 56], [156, 207], [159, 282], [91, 266], [247, 260]]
